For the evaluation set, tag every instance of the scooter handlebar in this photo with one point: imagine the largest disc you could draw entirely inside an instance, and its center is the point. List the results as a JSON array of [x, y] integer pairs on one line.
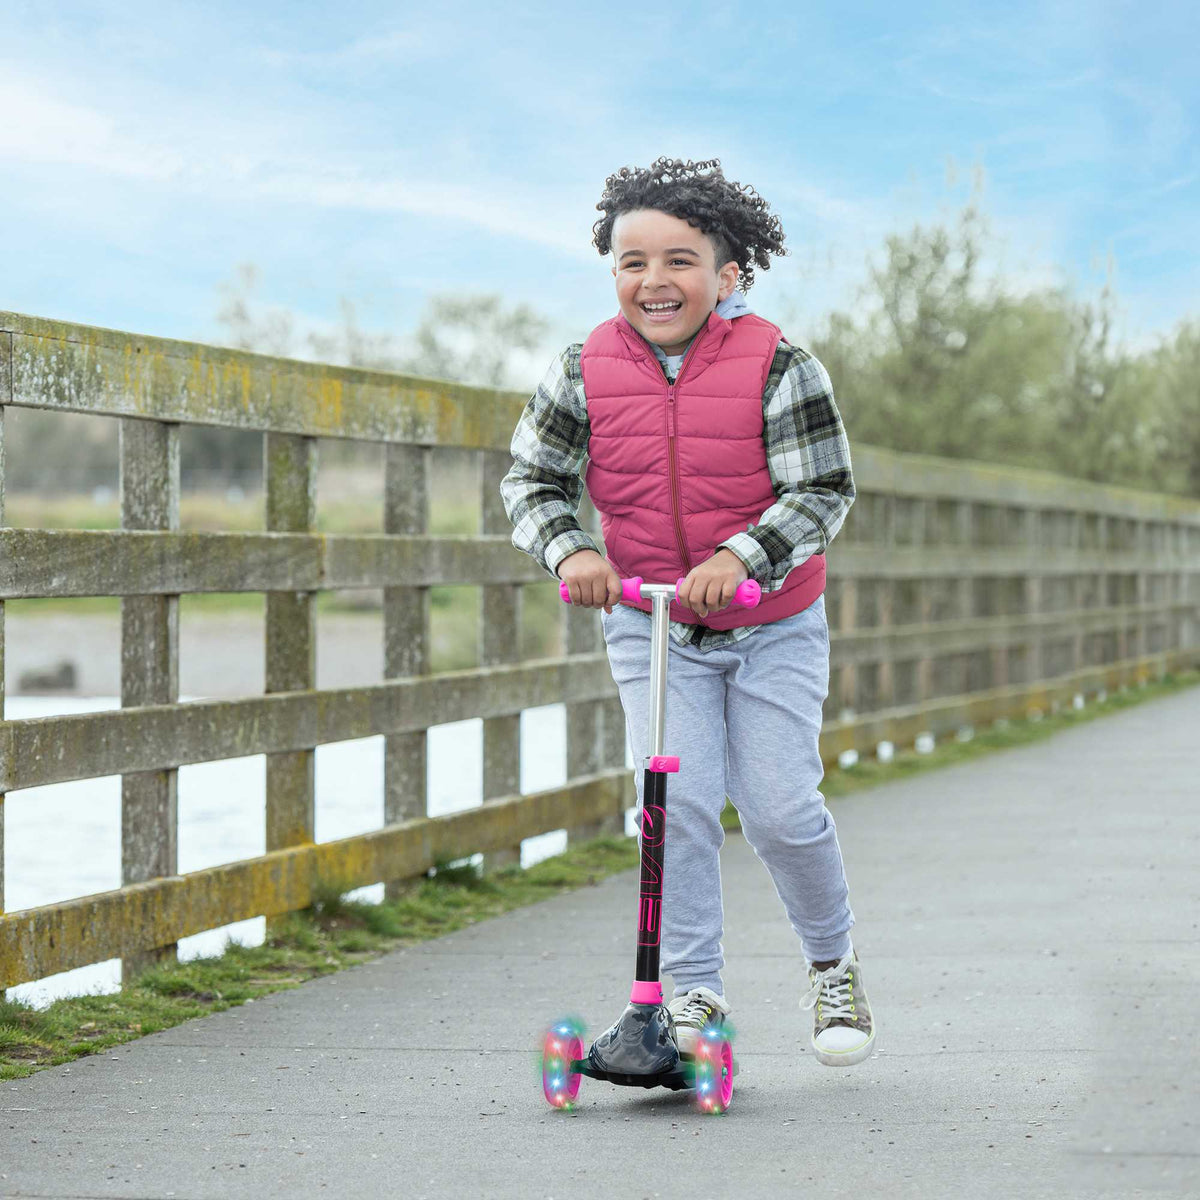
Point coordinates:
[[747, 595]]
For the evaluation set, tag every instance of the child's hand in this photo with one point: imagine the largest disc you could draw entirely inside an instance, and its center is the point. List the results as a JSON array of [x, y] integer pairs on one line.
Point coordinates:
[[710, 586], [590, 580]]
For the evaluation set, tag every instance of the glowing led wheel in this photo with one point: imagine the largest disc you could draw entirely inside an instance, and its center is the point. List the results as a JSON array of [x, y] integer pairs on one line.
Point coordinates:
[[713, 1066], [562, 1046]]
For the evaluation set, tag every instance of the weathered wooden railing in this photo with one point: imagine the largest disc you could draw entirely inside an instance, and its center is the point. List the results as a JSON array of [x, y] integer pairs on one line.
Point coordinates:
[[959, 593], [154, 385]]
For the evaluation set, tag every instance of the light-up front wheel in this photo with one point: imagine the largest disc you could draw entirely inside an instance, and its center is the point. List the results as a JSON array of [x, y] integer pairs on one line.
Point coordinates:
[[561, 1047]]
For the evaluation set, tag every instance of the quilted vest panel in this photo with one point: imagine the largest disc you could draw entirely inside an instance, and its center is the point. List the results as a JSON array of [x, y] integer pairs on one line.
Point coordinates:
[[676, 469]]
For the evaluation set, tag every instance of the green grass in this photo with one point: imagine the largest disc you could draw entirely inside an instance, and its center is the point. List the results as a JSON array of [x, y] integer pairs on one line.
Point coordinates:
[[334, 933]]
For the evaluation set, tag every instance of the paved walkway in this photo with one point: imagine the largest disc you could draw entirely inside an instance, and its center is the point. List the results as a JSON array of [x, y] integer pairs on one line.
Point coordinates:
[[1029, 930]]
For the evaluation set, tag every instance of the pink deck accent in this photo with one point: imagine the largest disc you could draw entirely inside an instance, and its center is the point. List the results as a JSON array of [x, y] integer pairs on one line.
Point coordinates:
[[646, 993], [664, 764]]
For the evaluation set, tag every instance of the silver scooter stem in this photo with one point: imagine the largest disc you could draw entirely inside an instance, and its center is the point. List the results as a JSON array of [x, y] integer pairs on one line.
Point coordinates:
[[660, 596]]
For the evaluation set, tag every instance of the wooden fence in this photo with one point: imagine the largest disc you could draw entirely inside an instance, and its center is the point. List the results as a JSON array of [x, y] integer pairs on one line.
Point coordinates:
[[959, 593]]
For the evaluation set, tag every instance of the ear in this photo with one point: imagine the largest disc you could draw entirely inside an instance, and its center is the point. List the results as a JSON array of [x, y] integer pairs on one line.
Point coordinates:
[[727, 278]]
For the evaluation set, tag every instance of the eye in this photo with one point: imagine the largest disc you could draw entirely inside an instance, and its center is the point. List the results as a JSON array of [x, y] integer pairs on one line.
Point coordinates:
[[687, 262]]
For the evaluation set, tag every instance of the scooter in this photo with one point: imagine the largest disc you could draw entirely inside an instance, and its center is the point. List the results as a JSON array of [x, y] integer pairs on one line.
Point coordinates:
[[641, 1050]]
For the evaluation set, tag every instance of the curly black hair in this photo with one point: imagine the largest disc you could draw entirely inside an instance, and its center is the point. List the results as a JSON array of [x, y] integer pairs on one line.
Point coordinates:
[[733, 215]]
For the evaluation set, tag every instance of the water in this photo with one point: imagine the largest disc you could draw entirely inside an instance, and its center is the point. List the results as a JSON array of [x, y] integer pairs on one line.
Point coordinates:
[[64, 840]]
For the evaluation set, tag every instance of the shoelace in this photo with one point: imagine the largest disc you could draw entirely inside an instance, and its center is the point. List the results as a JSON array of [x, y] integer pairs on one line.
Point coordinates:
[[835, 990], [695, 1012]]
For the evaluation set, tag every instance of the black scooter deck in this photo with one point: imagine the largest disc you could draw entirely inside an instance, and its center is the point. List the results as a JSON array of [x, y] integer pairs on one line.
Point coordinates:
[[677, 1080]]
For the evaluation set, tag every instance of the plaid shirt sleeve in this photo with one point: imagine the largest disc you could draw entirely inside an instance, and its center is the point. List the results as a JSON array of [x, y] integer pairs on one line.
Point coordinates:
[[542, 491], [808, 457]]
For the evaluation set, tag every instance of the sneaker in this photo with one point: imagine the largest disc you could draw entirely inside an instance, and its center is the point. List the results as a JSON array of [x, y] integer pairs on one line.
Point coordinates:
[[843, 1031], [692, 1013]]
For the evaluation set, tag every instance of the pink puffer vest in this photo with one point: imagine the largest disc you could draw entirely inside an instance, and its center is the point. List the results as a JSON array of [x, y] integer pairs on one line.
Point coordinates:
[[676, 469]]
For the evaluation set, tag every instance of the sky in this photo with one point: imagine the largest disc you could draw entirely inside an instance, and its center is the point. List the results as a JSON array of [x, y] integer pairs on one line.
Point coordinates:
[[385, 152]]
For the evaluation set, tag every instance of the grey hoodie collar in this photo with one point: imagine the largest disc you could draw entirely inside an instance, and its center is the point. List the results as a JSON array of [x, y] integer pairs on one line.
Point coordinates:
[[734, 305]]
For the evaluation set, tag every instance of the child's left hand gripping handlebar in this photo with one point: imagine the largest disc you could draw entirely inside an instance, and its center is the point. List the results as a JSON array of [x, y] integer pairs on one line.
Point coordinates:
[[747, 595]]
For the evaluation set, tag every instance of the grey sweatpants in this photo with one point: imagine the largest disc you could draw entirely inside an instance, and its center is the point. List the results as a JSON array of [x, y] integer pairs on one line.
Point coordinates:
[[744, 721]]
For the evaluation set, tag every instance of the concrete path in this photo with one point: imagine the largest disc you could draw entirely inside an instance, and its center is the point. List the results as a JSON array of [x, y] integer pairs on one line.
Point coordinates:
[[1029, 931]]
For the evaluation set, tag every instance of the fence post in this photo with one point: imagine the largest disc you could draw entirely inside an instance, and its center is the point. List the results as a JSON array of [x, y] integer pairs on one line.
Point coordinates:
[[847, 623], [3, 410], [290, 475], [923, 527], [149, 485], [1142, 537], [499, 642], [965, 514], [590, 736], [885, 592], [406, 651], [1180, 589], [1078, 549], [1037, 550]]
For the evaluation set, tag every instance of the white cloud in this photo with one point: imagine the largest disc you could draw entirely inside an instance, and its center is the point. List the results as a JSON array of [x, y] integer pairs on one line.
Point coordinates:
[[219, 163], [39, 128], [385, 47], [342, 188]]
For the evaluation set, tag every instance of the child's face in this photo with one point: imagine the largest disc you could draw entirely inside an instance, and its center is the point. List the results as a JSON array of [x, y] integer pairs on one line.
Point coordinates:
[[661, 259]]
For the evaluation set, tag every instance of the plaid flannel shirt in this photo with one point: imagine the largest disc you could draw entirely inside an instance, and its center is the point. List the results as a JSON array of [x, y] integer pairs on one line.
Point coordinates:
[[808, 458]]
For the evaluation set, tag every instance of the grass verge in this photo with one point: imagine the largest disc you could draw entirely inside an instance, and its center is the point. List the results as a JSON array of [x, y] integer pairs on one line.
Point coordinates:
[[334, 933]]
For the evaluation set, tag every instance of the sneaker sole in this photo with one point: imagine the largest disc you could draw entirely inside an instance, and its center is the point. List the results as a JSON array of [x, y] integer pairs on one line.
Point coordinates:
[[845, 1058]]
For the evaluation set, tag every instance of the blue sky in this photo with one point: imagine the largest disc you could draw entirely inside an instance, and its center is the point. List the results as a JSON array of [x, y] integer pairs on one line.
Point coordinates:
[[384, 151]]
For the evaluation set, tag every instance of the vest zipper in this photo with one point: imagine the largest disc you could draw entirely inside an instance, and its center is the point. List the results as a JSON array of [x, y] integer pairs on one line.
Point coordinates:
[[672, 453], [673, 473]]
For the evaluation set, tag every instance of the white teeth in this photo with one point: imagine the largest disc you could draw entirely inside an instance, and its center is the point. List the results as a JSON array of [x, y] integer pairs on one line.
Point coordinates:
[[661, 307]]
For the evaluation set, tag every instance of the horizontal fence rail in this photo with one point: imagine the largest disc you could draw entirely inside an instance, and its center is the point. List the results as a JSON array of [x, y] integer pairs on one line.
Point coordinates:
[[77, 368], [959, 593], [151, 738]]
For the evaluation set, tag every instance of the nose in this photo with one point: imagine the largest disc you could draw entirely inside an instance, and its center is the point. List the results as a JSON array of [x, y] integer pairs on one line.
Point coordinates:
[[650, 280]]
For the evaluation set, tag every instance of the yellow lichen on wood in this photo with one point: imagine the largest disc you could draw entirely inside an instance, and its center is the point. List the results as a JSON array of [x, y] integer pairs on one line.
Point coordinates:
[[330, 401]]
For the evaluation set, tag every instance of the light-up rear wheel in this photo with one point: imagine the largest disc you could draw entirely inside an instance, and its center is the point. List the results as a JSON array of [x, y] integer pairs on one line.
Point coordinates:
[[713, 1068], [562, 1046]]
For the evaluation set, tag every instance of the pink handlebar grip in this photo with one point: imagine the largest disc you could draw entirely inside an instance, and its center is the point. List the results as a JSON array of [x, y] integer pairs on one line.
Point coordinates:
[[747, 595], [631, 589]]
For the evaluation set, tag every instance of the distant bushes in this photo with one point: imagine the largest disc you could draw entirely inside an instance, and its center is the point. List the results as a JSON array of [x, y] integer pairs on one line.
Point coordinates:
[[938, 357]]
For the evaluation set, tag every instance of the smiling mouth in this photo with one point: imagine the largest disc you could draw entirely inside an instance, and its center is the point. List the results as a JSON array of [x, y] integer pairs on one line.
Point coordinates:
[[660, 312]]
